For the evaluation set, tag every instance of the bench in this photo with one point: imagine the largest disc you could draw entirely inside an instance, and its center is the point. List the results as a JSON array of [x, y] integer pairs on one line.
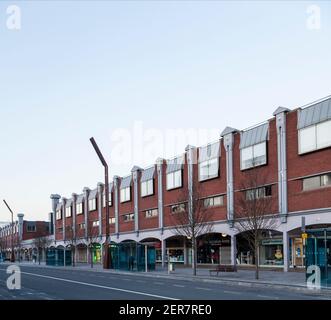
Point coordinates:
[[223, 268]]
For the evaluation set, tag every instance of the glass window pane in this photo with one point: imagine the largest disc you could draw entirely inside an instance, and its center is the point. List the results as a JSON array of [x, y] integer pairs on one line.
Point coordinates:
[[213, 168], [311, 183], [307, 139], [178, 178], [324, 134], [143, 188], [260, 154], [203, 170], [246, 157], [326, 180], [170, 179], [150, 185]]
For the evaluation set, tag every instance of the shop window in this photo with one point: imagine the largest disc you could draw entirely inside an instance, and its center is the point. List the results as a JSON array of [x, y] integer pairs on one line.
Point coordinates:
[[315, 137], [174, 179], [147, 188], [125, 194], [253, 156]]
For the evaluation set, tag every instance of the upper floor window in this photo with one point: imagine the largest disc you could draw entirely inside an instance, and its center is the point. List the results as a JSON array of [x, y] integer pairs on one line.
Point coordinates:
[[125, 194], [178, 208], [258, 193], [31, 228], [315, 137], [253, 156], [58, 214], [79, 208], [95, 223], [147, 187], [213, 201], [68, 211], [112, 220], [104, 200], [151, 213], [92, 204], [208, 161], [128, 217], [317, 182], [174, 179], [81, 226]]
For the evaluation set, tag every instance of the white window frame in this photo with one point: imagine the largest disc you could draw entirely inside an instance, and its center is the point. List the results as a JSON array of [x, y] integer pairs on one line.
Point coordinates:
[[92, 204], [175, 179], [321, 182], [180, 206], [95, 223], [82, 226], [79, 208], [59, 214], [313, 132], [147, 187], [210, 202], [112, 220], [253, 159], [151, 213], [125, 194], [130, 217], [69, 212], [208, 164], [258, 193]]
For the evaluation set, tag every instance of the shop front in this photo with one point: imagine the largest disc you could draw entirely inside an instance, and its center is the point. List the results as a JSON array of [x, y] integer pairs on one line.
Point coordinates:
[[96, 253], [175, 250], [214, 248], [81, 253]]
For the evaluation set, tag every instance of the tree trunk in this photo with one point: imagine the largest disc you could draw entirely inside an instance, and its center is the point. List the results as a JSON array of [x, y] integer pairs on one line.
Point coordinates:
[[39, 256], [194, 256], [257, 260], [91, 256]]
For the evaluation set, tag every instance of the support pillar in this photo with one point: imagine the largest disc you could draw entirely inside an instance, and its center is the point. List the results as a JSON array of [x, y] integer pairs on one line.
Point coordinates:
[[286, 250], [233, 250], [163, 252]]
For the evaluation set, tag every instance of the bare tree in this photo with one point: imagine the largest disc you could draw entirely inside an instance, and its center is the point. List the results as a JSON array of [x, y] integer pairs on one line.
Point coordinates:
[[253, 211], [41, 243], [192, 224], [70, 240], [92, 237]]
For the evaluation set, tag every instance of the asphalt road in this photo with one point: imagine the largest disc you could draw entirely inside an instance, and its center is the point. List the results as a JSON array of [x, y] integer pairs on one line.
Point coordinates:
[[50, 283]]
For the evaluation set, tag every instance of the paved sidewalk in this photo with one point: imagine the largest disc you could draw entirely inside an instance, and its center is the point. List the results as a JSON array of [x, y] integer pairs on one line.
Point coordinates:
[[244, 277]]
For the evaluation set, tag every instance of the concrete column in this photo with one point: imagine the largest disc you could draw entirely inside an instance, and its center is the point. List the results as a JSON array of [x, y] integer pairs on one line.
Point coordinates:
[[136, 174], [280, 115], [286, 250], [86, 195], [159, 168], [74, 213], [191, 159], [233, 250], [228, 141], [101, 192], [185, 254], [163, 252], [20, 225], [55, 200], [64, 200]]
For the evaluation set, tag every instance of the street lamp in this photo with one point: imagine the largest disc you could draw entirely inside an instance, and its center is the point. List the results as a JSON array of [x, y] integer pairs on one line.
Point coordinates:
[[106, 260], [12, 257]]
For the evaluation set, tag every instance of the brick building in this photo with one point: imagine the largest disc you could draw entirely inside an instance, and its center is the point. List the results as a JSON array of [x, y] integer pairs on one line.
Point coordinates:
[[291, 150]]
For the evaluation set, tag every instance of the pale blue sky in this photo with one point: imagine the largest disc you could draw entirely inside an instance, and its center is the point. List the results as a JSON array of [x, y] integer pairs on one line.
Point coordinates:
[[86, 68]]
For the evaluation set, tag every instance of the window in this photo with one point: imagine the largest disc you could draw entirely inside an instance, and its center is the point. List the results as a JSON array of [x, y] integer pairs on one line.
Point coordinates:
[[128, 217], [317, 182], [174, 179], [95, 223], [58, 214], [253, 156], [79, 208], [213, 201], [151, 213], [315, 137], [68, 212], [147, 187], [258, 193], [104, 200], [208, 169], [31, 228], [126, 194], [112, 220], [178, 208], [92, 204], [81, 226]]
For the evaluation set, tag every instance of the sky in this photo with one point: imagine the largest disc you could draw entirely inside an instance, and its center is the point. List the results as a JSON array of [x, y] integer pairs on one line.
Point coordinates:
[[145, 79]]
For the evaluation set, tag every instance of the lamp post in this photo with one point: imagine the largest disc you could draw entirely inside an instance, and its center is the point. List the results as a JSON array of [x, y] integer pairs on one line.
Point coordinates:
[[106, 260], [12, 256]]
